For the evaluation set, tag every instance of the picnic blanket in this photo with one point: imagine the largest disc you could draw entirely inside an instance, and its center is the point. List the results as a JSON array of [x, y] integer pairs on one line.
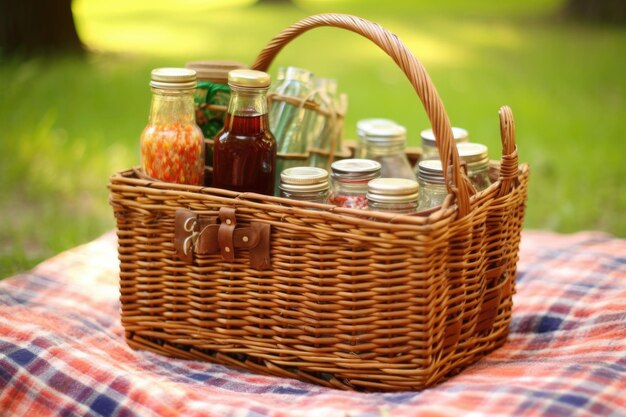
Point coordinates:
[[62, 349]]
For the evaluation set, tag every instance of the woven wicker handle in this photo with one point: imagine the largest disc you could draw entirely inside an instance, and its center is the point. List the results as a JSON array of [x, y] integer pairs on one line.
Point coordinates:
[[457, 182]]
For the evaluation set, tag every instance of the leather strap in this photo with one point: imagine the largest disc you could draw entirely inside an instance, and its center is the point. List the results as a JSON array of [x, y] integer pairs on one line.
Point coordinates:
[[205, 235], [184, 238], [225, 233]]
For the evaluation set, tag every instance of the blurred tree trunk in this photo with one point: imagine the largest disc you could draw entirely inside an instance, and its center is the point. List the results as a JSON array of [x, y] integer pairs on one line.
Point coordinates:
[[597, 10], [32, 27]]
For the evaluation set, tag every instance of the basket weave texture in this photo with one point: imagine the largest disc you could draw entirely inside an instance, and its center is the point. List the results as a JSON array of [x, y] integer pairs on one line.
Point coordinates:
[[349, 299]]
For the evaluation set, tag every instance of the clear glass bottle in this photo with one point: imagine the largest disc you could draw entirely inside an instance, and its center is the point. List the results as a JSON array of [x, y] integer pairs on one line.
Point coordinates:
[[288, 119], [385, 142], [327, 124], [476, 157], [244, 151], [349, 182], [429, 147], [363, 125], [433, 190], [172, 145], [393, 195], [305, 184]]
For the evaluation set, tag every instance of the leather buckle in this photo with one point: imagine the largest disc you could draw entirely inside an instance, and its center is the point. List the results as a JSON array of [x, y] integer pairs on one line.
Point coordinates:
[[205, 235]]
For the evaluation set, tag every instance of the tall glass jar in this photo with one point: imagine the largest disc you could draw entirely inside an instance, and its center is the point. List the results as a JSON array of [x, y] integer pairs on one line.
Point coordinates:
[[393, 195], [433, 190], [327, 123], [385, 142], [288, 119], [476, 158], [305, 184], [349, 182], [172, 145], [244, 151], [429, 147]]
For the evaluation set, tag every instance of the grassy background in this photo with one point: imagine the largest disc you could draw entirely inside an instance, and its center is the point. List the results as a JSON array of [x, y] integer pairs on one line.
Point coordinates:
[[68, 123]]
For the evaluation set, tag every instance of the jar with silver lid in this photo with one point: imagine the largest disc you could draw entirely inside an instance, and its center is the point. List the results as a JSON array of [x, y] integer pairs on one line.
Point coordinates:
[[361, 126], [429, 147], [385, 142], [394, 195], [305, 184], [349, 181], [433, 190], [476, 158]]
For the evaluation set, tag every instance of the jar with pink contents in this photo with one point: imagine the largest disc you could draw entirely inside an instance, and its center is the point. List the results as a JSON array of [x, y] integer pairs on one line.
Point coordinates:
[[349, 182]]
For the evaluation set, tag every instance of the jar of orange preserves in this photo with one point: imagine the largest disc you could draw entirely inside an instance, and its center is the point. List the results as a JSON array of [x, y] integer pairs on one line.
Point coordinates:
[[172, 144]]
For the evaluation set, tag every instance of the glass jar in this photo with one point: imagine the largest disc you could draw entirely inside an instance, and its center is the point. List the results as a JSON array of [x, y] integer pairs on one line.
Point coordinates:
[[433, 190], [393, 195], [305, 184], [476, 158], [429, 147], [349, 182], [211, 98], [288, 119], [385, 142], [361, 126], [172, 144], [327, 124], [244, 151]]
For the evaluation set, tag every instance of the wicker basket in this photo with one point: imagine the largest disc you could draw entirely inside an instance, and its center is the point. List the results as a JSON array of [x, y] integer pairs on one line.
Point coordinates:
[[340, 297]]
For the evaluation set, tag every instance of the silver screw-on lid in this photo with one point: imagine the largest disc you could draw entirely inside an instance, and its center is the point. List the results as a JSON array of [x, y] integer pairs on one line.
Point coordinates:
[[355, 169]]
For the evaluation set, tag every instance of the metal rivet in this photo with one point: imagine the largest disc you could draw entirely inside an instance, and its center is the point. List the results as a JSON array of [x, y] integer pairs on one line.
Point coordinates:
[[245, 238], [226, 249], [228, 221]]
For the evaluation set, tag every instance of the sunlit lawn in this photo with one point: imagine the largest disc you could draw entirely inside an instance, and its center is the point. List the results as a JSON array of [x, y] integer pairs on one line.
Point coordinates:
[[68, 124]]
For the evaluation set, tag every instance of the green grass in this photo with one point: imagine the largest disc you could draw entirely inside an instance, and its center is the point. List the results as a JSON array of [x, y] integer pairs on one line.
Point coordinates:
[[69, 123]]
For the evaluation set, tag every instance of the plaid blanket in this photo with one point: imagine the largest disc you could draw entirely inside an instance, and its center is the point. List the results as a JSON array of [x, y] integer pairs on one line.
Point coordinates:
[[62, 350]]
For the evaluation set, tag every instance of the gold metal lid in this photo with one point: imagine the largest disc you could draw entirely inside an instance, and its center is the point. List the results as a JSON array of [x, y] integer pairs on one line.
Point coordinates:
[[304, 175], [355, 169], [459, 135], [173, 78], [249, 78], [304, 179], [392, 190], [474, 154]]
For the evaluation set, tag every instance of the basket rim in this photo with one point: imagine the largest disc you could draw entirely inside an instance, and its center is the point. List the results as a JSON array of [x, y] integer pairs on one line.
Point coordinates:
[[428, 219]]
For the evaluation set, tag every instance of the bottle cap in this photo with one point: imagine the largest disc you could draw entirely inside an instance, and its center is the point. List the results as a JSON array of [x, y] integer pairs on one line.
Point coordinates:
[[304, 175], [474, 154], [458, 134], [173, 78], [392, 190], [249, 78], [304, 179], [382, 132], [364, 124], [430, 171], [355, 169]]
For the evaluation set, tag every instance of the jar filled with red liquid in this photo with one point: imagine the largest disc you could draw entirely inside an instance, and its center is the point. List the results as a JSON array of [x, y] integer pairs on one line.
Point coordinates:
[[349, 182], [244, 151], [172, 145]]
